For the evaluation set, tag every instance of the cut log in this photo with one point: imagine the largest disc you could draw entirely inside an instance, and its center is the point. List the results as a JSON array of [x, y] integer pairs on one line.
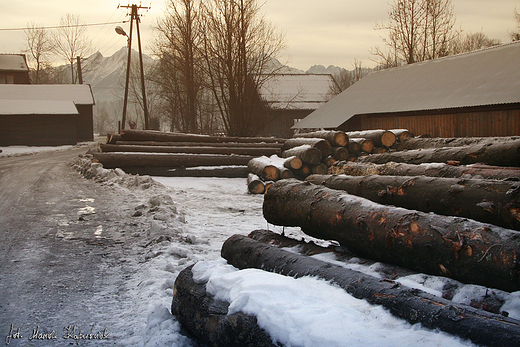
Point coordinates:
[[307, 154], [495, 202], [230, 171], [334, 137], [152, 135], [429, 169], [115, 160], [320, 169], [253, 151], [415, 306], [113, 138], [466, 250], [322, 145], [207, 318], [499, 154], [292, 163], [354, 146], [264, 168], [200, 144], [329, 161], [402, 134], [303, 172], [280, 164], [254, 184], [439, 142], [339, 153], [379, 150], [363, 145], [378, 137]]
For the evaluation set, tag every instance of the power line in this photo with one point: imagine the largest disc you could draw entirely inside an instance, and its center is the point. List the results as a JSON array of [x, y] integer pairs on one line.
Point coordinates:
[[65, 26]]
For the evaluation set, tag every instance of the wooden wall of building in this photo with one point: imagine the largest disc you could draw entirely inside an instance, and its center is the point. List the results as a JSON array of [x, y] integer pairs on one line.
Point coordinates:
[[471, 123], [38, 130]]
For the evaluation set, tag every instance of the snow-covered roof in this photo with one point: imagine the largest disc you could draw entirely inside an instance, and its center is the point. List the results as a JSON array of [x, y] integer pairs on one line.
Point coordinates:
[[485, 77], [26, 107], [297, 91], [13, 62], [80, 94]]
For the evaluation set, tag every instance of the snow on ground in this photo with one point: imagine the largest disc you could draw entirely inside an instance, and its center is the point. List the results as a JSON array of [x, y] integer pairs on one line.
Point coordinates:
[[27, 150], [188, 219]]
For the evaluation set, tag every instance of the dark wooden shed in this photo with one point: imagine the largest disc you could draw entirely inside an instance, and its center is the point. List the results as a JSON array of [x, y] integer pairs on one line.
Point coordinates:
[[14, 69], [472, 94], [46, 114]]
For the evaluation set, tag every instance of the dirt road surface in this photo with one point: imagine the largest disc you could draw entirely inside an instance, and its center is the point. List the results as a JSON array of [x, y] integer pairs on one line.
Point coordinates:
[[62, 254]]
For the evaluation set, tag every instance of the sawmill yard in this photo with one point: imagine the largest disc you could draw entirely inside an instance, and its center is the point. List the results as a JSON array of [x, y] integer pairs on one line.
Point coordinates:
[[175, 222]]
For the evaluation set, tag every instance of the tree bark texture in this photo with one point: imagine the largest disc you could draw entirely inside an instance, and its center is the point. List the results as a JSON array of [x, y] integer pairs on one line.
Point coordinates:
[[307, 154], [466, 250], [200, 144], [152, 135], [334, 137], [431, 170], [378, 137], [322, 145], [115, 160], [254, 184], [253, 151], [402, 134], [207, 319], [439, 142], [415, 306], [264, 168], [488, 201], [339, 153], [499, 154]]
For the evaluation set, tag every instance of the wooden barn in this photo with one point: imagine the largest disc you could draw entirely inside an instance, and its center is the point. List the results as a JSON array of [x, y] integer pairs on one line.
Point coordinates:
[[468, 95], [45, 115], [288, 98], [14, 69]]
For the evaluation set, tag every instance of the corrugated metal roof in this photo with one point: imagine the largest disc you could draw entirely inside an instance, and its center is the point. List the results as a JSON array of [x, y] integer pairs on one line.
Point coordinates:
[[80, 94], [26, 107], [297, 91], [486, 77], [13, 62]]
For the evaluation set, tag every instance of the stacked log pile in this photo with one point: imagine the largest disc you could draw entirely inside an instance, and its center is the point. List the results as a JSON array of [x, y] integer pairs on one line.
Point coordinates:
[[178, 154]]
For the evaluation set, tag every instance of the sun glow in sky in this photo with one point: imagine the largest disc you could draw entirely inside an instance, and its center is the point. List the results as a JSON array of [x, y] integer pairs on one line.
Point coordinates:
[[328, 32]]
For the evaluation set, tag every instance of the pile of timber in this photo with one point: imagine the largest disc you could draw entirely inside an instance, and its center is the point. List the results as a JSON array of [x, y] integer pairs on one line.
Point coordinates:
[[148, 152], [316, 152]]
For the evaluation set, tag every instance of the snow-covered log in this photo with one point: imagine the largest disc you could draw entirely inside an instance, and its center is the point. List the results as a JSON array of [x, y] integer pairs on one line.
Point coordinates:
[[488, 201], [402, 134], [322, 145], [495, 153], [378, 137], [426, 169], [358, 145], [415, 306], [307, 154], [200, 144], [207, 318], [439, 142], [254, 184], [334, 137], [340, 153], [226, 171], [264, 168], [120, 160], [152, 135], [253, 151], [466, 250]]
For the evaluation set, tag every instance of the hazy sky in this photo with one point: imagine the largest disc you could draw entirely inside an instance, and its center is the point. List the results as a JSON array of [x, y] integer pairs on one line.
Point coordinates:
[[326, 32]]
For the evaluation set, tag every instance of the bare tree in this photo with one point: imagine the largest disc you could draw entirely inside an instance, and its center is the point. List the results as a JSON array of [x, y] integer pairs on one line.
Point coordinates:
[[179, 73], [347, 78], [238, 44], [467, 42], [418, 30], [515, 35], [71, 41], [38, 48]]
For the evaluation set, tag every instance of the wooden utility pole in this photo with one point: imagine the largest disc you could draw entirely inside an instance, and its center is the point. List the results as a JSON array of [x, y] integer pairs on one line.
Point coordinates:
[[135, 16]]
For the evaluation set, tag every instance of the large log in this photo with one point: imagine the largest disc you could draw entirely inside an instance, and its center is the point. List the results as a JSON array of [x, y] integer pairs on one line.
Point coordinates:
[[152, 135], [307, 153], [334, 137], [264, 168], [253, 151], [499, 154], [439, 142], [207, 318], [115, 160], [415, 306], [402, 134], [322, 145], [488, 201], [200, 144], [427, 169], [230, 171], [378, 137], [466, 250], [254, 184]]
